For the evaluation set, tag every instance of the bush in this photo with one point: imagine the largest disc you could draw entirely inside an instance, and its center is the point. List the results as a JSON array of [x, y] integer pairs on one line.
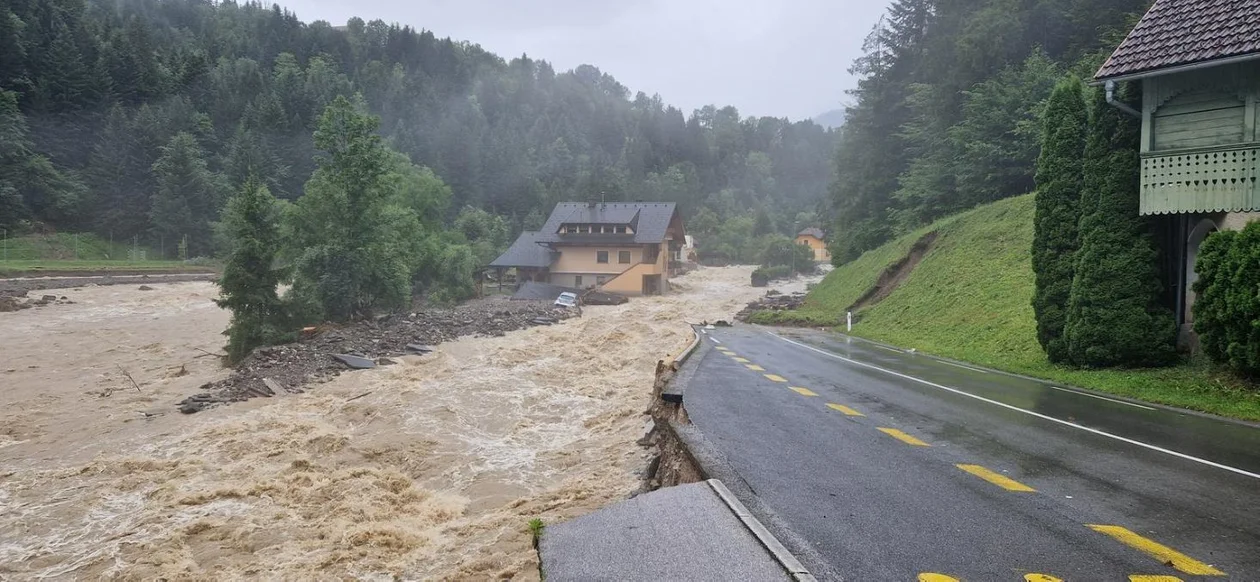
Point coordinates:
[[781, 251], [764, 275], [1227, 308]]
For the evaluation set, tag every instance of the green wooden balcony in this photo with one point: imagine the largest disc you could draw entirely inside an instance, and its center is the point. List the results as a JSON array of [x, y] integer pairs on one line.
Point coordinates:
[[1215, 179]]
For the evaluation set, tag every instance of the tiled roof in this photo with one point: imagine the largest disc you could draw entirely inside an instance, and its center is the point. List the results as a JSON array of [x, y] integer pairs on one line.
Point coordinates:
[[650, 220], [1183, 32], [525, 252], [814, 232]]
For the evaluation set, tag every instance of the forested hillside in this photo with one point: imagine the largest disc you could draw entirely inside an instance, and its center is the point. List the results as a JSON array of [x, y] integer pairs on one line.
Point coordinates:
[[137, 118], [947, 113]]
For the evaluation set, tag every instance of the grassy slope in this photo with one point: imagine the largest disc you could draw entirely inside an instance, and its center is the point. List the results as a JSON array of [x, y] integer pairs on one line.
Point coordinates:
[[62, 252], [969, 299]]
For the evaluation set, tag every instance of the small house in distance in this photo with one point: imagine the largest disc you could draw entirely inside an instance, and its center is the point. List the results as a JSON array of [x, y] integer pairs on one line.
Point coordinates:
[[813, 238], [1198, 62], [618, 247]]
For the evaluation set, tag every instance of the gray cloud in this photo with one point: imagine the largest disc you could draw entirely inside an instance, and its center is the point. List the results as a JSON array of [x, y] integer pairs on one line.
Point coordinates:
[[786, 58]]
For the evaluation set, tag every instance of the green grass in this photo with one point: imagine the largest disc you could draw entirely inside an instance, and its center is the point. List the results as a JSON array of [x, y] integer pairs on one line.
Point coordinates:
[[64, 246], [969, 299], [61, 252], [14, 268]]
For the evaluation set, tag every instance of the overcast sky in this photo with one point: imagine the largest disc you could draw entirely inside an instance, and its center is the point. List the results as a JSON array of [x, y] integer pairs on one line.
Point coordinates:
[[766, 57]]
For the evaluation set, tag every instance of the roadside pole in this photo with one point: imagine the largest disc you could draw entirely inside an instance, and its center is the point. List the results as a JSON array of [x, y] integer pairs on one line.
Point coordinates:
[[848, 317]]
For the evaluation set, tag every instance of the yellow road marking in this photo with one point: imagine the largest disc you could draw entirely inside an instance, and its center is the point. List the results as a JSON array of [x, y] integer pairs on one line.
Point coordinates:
[[725, 350], [775, 378], [1152, 578], [1041, 578], [903, 437], [803, 391], [1165, 554], [845, 409], [997, 479], [755, 368], [930, 577], [741, 360]]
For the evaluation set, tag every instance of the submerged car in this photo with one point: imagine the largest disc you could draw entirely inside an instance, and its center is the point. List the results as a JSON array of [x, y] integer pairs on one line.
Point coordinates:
[[567, 299]]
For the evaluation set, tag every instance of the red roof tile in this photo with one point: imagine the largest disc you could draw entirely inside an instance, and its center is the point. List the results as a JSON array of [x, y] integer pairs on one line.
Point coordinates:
[[1182, 32]]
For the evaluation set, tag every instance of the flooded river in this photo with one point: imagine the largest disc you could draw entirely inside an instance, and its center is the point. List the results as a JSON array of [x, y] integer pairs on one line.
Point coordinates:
[[429, 469]]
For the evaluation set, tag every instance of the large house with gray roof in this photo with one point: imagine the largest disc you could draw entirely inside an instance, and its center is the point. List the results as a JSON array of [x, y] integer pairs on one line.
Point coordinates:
[[618, 247], [1198, 62]]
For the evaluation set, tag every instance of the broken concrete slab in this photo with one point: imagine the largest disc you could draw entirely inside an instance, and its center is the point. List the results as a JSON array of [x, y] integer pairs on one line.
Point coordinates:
[[274, 386], [419, 348], [355, 362], [688, 532]]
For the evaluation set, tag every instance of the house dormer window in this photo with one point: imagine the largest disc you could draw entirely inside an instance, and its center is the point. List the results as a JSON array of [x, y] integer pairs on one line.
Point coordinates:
[[595, 229]]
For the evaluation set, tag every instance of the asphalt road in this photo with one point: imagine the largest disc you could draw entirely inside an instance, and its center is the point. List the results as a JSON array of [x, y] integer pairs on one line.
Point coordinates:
[[898, 466]]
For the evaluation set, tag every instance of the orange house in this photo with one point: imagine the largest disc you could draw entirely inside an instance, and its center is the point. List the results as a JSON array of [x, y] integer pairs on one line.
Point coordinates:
[[618, 247], [813, 238]]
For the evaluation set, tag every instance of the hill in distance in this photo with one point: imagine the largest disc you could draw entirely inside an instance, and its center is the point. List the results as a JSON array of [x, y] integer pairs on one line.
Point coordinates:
[[831, 120]]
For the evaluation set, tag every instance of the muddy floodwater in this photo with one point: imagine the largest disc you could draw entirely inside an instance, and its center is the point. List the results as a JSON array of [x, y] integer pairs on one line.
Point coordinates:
[[430, 469]]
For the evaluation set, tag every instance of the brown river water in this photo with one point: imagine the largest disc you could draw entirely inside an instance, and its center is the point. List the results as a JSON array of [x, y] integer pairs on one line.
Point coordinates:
[[433, 474]]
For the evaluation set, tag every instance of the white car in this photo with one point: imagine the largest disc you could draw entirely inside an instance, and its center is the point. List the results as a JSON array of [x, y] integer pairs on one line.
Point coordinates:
[[567, 299]]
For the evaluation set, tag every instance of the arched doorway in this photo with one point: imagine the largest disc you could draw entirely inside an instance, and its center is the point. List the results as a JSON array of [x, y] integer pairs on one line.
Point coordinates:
[[1200, 231]]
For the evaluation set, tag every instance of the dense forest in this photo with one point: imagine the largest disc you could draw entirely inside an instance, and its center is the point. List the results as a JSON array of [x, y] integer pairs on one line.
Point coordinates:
[[137, 118], [947, 112]]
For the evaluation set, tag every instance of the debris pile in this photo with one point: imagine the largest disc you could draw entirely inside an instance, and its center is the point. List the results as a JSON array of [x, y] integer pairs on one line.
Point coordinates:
[[321, 357], [773, 301]]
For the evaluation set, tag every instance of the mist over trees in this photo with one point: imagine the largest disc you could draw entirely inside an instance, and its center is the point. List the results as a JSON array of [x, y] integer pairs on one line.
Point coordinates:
[[947, 113], [110, 108]]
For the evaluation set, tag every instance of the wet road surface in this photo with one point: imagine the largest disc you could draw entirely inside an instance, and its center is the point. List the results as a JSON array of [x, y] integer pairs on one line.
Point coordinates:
[[899, 466]]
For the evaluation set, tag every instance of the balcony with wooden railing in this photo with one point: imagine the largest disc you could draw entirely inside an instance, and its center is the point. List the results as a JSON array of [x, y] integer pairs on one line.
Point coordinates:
[[1213, 179]]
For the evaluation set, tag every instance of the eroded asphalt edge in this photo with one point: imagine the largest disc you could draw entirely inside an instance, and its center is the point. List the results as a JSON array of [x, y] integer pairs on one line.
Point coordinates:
[[789, 548]]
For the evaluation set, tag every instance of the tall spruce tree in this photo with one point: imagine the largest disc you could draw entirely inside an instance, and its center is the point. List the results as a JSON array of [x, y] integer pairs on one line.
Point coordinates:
[[350, 261], [1059, 178], [1114, 313], [188, 195], [248, 284]]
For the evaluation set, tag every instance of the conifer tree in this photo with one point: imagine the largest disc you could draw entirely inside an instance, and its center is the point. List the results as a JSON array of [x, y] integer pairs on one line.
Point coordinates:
[[1059, 179], [1114, 314], [188, 195], [248, 284]]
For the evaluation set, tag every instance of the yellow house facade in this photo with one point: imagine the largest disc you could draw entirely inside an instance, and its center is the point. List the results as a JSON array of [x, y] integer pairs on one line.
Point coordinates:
[[813, 238], [617, 247]]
